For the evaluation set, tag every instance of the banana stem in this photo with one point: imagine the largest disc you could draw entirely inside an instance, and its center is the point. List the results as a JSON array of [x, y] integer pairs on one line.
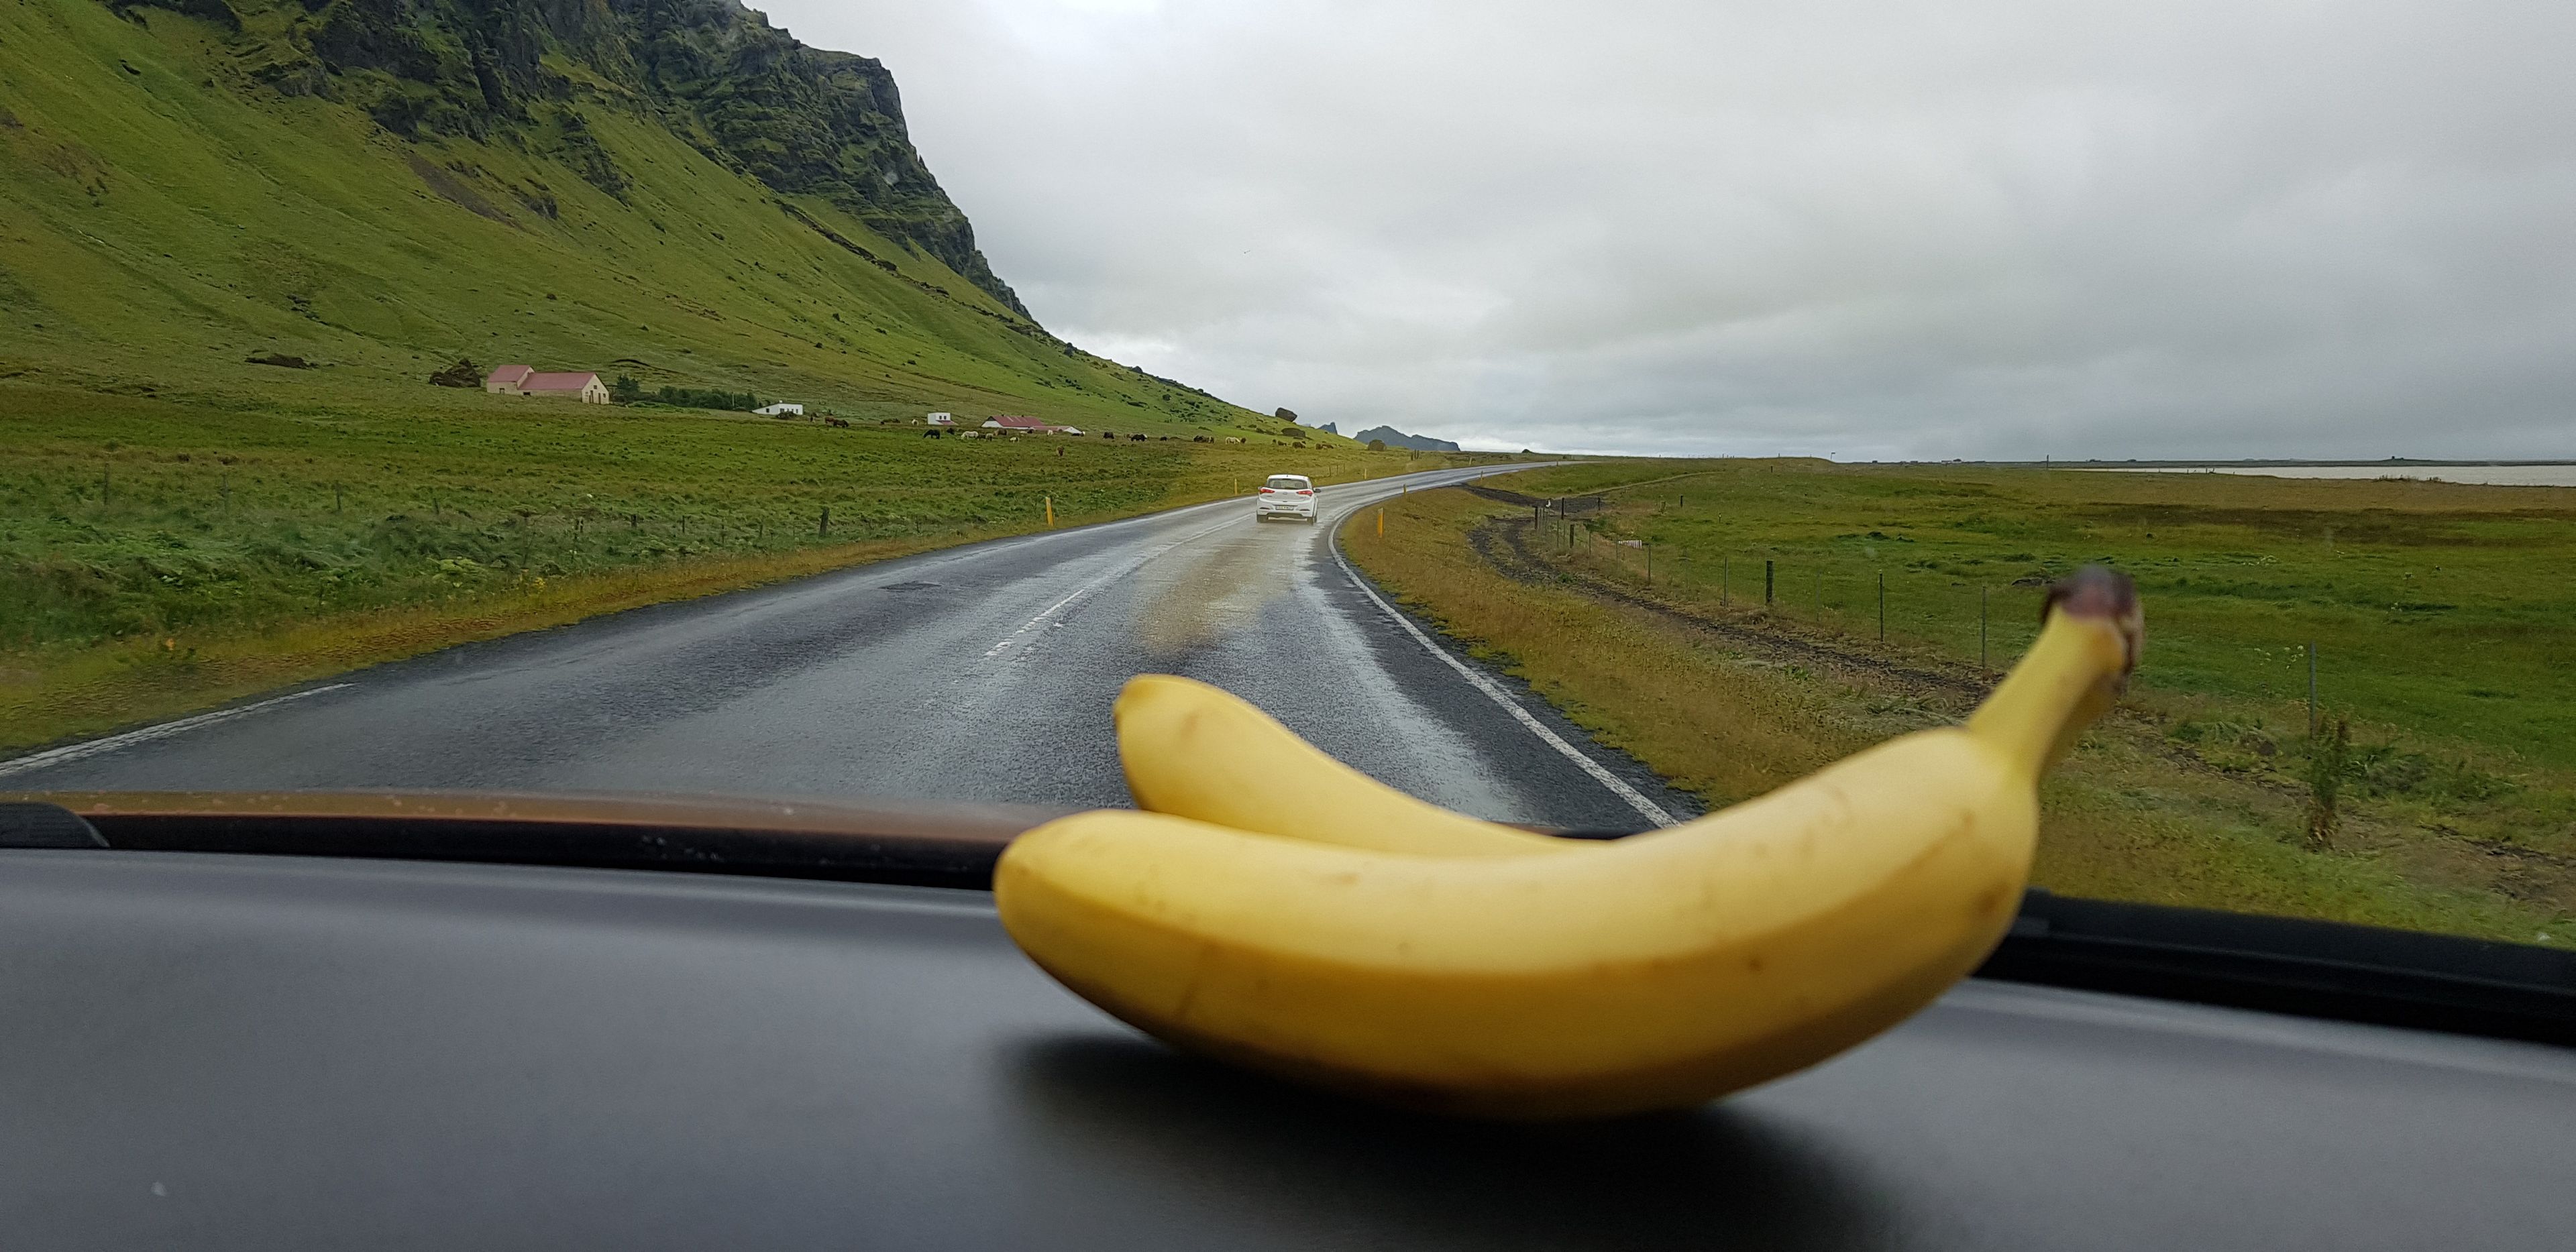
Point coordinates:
[[2072, 674]]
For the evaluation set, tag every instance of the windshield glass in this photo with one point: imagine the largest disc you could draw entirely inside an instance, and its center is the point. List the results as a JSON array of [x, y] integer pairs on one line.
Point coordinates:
[[1674, 432]]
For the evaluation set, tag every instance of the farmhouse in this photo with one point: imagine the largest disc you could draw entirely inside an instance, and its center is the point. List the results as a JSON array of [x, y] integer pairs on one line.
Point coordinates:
[[520, 380], [781, 410], [939, 419]]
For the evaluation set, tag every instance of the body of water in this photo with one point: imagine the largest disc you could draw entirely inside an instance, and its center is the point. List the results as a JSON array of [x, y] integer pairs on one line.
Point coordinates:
[[2482, 475]]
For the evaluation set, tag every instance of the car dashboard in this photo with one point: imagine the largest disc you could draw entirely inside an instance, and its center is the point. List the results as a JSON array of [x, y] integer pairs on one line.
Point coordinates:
[[544, 1023]]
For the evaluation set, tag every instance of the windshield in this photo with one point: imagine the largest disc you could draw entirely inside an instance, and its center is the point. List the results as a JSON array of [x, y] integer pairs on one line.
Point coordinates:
[[1675, 431]]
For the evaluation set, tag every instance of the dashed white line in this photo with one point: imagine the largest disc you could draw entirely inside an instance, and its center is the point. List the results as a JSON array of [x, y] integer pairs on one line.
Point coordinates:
[[1123, 569], [77, 751]]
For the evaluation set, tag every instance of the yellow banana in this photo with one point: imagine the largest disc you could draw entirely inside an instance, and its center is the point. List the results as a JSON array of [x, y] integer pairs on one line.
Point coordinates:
[[1192, 750], [1657, 971]]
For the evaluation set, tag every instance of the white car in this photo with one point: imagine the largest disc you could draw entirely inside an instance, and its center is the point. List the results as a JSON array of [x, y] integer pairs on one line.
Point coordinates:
[[1286, 495]]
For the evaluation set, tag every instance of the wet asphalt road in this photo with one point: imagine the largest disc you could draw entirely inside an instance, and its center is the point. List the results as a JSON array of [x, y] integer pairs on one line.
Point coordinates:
[[983, 673]]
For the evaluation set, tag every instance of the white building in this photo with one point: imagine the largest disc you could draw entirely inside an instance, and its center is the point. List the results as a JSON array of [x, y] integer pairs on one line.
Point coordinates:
[[940, 419], [781, 410]]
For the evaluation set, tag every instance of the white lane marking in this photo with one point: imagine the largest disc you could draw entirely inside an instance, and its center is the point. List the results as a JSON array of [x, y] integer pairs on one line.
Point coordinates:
[[1619, 787], [1046, 616], [78, 751]]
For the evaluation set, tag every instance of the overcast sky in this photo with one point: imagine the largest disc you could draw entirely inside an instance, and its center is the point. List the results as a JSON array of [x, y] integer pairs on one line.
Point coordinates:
[[1973, 228]]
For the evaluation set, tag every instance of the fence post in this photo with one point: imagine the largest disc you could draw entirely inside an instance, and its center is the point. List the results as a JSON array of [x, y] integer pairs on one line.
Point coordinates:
[[1882, 606], [1766, 584], [823, 526], [106, 484], [2312, 689], [1649, 550], [1983, 664], [335, 499], [1721, 581]]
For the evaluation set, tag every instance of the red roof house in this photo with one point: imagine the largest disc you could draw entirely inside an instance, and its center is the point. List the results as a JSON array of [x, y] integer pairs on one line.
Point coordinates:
[[519, 380], [586, 387]]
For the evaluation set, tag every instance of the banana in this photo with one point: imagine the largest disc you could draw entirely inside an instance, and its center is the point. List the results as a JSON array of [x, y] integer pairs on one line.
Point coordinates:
[[1196, 751], [1659, 971]]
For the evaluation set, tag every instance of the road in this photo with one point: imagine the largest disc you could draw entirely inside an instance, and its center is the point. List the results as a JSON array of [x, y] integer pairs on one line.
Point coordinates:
[[980, 673]]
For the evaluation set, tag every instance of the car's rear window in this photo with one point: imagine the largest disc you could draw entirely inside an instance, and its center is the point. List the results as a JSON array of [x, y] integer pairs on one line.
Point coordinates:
[[1288, 482]]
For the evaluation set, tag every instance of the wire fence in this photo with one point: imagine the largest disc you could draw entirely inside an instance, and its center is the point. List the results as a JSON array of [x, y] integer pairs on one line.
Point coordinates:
[[1888, 606]]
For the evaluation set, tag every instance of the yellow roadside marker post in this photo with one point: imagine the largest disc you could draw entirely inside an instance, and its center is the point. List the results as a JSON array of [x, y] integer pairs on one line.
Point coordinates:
[[1381, 523], [1050, 508]]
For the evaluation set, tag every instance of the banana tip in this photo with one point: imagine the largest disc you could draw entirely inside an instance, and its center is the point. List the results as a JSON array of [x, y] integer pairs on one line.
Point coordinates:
[[2100, 592]]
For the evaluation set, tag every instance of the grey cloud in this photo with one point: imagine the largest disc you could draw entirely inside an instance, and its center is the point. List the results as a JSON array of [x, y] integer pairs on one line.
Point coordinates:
[[1975, 228]]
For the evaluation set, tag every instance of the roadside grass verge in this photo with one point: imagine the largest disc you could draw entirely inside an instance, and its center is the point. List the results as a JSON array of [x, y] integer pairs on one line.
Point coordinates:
[[159, 556], [1729, 702]]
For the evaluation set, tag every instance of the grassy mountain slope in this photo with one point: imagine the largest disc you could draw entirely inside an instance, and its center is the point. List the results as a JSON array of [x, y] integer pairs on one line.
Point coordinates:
[[178, 194]]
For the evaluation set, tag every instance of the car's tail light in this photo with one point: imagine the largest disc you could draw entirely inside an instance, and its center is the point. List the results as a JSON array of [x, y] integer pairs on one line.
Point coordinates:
[[1268, 492], [1305, 493]]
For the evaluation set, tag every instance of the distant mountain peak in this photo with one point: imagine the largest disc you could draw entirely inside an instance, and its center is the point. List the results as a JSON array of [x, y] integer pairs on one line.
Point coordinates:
[[1398, 439]]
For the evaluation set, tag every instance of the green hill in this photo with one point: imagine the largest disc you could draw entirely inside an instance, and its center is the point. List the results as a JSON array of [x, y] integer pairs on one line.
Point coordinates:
[[666, 189]]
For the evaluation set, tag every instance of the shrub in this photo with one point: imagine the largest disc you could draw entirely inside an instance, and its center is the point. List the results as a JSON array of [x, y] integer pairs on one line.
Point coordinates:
[[693, 398]]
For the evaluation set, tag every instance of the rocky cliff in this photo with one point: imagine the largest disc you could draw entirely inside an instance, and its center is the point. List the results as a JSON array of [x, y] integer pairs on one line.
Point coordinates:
[[746, 94]]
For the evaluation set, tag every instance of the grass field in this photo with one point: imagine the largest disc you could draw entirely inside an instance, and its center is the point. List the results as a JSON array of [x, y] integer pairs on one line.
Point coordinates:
[[159, 555], [2435, 615]]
